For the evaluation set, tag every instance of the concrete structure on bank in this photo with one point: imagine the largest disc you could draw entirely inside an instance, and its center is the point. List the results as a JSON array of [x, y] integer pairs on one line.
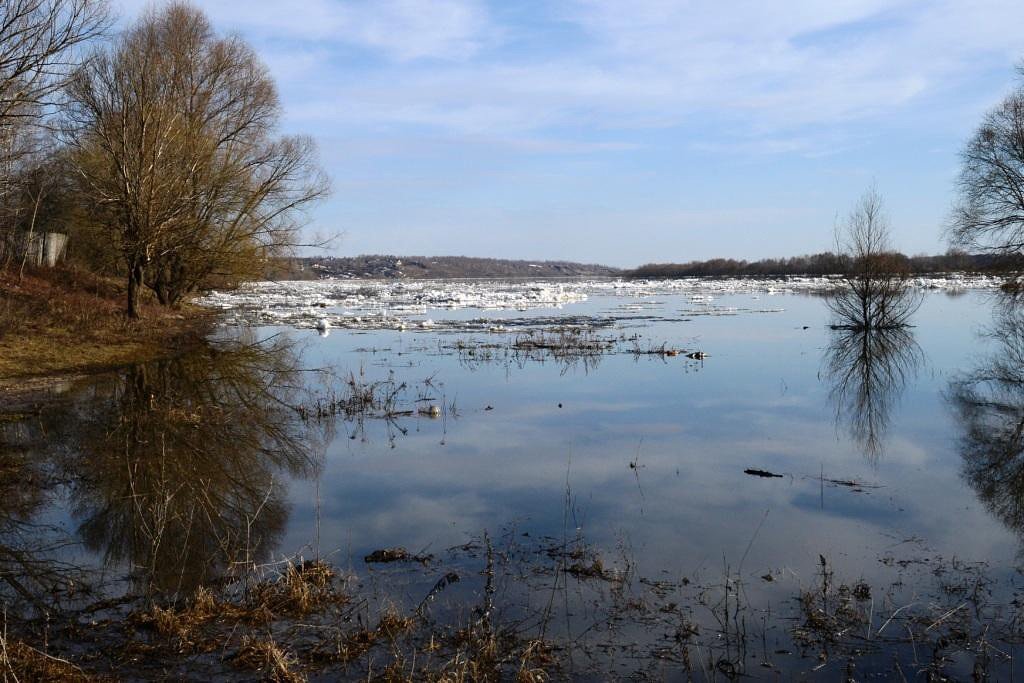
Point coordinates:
[[37, 249]]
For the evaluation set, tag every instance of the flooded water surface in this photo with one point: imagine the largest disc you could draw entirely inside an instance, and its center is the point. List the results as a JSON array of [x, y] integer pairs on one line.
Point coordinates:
[[670, 483]]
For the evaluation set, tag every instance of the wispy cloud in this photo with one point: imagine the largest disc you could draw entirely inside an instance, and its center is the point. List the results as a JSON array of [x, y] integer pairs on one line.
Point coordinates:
[[628, 104], [761, 68], [399, 30]]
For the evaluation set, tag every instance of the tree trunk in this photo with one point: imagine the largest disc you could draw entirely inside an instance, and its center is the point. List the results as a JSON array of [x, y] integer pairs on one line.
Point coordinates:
[[135, 280], [161, 294]]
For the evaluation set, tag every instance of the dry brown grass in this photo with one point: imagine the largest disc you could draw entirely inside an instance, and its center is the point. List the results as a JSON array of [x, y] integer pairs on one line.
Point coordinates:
[[392, 623], [263, 655], [64, 320], [302, 588], [348, 647], [829, 615], [182, 628], [479, 658], [21, 663]]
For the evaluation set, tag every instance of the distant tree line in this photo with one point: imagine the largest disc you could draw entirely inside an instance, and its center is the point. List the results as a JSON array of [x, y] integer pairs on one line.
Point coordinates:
[[413, 267], [157, 150], [825, 263]]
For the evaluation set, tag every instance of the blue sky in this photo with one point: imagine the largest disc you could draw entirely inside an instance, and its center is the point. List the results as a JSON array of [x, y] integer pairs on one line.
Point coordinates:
[[625, 132]]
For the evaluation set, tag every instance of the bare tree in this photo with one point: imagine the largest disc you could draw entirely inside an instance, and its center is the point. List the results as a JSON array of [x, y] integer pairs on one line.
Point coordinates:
[[38, 41], [876, 292], [174, 135], [872, 351], [989, 215]]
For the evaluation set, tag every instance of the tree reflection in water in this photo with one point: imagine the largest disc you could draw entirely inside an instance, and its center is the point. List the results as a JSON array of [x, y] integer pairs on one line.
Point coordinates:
[[177, 469], [870, 357], [32, 569], [988, 402]]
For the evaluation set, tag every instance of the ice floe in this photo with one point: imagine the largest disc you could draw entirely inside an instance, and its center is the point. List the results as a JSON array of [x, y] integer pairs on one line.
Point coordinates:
[[400, 305]]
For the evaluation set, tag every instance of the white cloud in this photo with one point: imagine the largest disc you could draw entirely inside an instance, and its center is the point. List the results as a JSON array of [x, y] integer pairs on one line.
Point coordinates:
[[802, 62], [412, 29], [768, 76], [400, 30]]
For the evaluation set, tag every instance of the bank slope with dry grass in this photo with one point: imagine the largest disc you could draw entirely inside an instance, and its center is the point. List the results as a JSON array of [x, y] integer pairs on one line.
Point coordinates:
[[67, 321]]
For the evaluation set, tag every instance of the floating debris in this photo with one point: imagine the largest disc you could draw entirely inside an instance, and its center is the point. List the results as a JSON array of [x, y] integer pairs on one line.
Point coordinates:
[[397, 554], [761, 473]]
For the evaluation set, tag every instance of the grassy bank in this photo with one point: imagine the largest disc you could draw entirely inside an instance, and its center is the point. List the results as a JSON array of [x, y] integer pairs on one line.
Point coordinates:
[[66, 321]]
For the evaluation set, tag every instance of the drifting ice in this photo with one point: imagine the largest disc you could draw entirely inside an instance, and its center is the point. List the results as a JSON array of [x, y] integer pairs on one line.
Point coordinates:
[[390, 305]]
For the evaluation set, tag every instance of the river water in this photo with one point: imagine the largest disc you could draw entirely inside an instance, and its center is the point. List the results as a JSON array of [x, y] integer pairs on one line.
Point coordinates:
[[794, 500]]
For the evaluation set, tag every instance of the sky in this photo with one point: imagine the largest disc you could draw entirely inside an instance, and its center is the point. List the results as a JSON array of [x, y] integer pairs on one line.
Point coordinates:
[[627, 132]]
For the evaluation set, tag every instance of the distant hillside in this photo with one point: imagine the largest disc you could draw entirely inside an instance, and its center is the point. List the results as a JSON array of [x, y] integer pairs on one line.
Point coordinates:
[[434, 267]]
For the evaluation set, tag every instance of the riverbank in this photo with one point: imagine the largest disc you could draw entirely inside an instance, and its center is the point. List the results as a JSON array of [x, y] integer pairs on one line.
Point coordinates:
[[65, 322]]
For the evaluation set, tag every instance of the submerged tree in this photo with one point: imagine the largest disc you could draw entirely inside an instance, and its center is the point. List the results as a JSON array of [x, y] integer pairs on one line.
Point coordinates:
[[174, 133], [989, 216], [872, 352], [876, 292]]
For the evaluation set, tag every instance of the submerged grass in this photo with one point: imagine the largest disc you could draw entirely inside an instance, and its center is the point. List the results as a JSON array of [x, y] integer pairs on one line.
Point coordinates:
[[22, 662], [570, 348], [264, 656], [302, 620]]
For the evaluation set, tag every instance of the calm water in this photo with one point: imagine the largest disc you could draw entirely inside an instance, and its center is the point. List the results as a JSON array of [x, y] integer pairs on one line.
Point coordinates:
[[760, 400], [894, 472]]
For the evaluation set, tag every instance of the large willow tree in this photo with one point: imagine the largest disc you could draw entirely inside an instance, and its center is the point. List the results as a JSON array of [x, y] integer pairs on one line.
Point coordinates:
[[174, 131]]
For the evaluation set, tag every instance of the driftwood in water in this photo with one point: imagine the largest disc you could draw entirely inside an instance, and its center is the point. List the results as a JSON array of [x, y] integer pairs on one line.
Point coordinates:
[[761, 473]]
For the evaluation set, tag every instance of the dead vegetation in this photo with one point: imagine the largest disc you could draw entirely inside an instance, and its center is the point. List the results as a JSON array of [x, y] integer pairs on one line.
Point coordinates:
[[263, 656], [527, 606], [356, 400], [569, 347], [537, 610], [397, 554], [360, 398], [299, 589], [22, 662], [831, 612], [565, 341]]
